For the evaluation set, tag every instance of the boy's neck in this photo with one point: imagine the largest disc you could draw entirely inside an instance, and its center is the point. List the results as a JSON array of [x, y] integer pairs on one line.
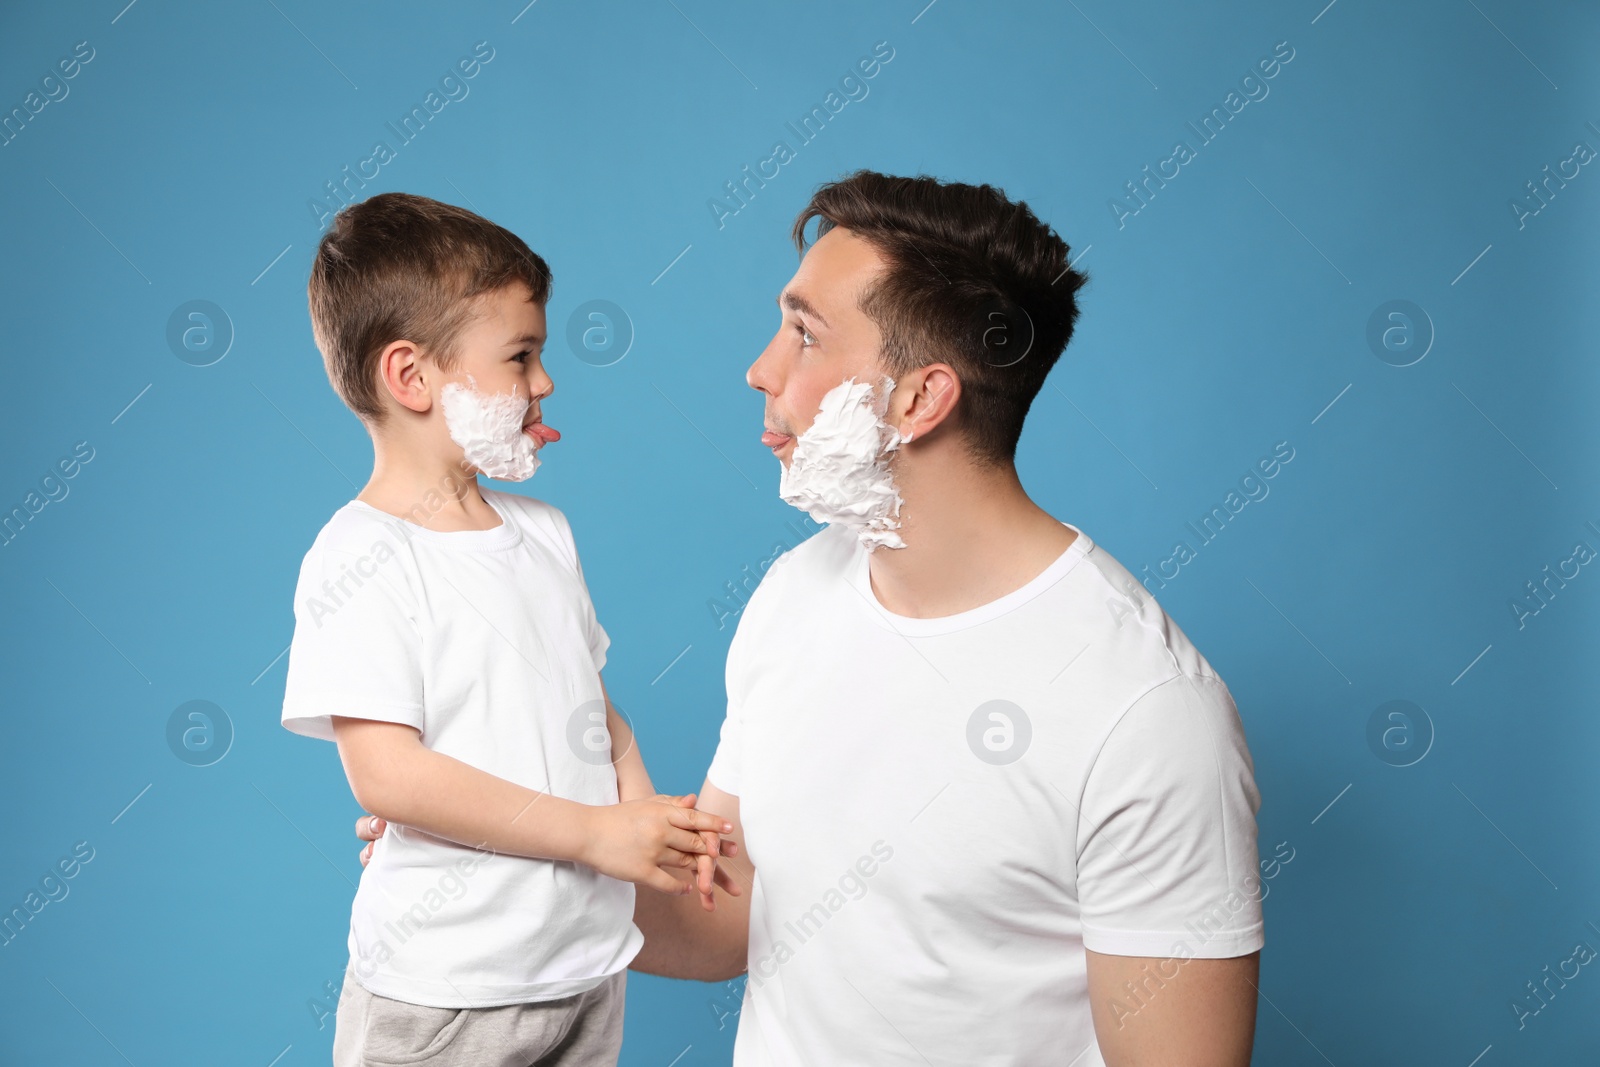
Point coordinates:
[[411, 481]]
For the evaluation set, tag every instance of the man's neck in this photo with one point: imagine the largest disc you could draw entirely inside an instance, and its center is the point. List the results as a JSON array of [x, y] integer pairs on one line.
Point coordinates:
[[411, 481], [972, 535]]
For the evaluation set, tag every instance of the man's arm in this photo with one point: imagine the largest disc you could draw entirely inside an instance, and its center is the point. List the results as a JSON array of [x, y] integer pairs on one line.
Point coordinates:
[[681, 939], [393, 775], [1152, 1012]]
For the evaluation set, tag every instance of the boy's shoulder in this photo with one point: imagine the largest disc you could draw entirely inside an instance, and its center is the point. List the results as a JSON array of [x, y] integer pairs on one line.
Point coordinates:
[[526, 506], [540, 515], [358, 529]]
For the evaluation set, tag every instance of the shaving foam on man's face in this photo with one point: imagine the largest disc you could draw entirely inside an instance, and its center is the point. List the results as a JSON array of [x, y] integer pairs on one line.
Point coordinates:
[[839, 470], [492, 431]]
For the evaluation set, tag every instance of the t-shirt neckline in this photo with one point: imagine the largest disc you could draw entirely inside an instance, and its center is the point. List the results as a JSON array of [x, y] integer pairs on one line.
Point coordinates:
[[859, 577], [500, 536]]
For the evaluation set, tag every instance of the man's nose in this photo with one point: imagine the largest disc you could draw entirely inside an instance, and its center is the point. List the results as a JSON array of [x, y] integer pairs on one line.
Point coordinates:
[[761, 374]]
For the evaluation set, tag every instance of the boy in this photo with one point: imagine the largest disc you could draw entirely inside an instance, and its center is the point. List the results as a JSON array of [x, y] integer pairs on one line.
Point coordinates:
[[445, 640]]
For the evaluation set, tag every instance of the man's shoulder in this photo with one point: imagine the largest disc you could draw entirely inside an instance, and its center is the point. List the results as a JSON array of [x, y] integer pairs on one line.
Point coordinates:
[[828, 551], [812, 563], [823, 557], [1139, 640]]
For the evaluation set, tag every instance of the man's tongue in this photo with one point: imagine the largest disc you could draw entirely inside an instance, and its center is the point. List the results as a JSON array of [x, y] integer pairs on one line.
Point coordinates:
[[544, 433]]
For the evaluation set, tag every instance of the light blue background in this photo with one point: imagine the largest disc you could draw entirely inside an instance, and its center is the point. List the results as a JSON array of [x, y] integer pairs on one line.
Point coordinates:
[[1226, 316]]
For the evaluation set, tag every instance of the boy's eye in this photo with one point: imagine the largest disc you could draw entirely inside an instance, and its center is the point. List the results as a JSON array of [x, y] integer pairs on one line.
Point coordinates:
[[522, 357]]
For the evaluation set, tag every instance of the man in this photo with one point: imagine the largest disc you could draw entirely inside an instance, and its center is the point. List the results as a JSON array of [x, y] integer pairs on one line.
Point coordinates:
[[990, 804]]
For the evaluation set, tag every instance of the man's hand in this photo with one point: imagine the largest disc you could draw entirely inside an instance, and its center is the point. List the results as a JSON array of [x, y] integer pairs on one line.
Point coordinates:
[[369, 828]]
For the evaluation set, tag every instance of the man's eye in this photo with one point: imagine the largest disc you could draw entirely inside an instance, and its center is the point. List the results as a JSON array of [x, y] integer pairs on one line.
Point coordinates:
[[806, 340]]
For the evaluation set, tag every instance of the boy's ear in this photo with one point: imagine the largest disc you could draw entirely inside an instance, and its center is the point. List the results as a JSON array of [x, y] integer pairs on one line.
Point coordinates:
[[404, 373]]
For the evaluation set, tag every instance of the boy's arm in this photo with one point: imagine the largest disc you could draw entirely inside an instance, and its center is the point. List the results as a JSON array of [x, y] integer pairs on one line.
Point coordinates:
[[633, 781], [393, 775]]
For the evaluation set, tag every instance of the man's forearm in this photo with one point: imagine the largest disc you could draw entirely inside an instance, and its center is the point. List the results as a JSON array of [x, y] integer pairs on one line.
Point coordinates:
[[682, 940]]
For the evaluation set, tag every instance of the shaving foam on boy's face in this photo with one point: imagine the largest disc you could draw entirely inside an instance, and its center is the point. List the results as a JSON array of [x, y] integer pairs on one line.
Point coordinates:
[[839, 469], [491, 430]]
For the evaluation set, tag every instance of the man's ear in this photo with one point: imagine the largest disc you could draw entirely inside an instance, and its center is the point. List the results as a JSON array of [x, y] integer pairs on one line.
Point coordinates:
[[404, 373], [931, 400]]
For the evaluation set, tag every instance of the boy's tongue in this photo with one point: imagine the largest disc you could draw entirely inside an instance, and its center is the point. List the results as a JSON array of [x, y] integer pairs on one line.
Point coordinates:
[[544, 433]]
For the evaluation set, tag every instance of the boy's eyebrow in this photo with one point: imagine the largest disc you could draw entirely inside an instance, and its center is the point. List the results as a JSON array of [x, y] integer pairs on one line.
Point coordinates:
[[796, 302], [527, 339]]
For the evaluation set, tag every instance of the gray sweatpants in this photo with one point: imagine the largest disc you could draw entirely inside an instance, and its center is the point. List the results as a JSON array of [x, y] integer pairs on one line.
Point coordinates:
[[584, 1030]]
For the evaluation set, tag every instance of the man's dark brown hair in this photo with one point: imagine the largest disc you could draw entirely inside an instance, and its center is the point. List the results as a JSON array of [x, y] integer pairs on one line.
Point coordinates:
[[973, 280], [402, 267]]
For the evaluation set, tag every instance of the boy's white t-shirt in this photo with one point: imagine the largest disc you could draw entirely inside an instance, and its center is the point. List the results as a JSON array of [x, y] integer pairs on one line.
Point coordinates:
[[486, 641], [945, 813]]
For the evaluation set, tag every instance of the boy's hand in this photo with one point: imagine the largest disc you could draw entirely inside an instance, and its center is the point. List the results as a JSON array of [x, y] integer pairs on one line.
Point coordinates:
[[707, 872], [633, 841]]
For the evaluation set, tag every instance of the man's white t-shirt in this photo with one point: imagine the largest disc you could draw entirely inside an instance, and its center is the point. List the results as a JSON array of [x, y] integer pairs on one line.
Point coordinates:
[[945, 813], [486, 641]]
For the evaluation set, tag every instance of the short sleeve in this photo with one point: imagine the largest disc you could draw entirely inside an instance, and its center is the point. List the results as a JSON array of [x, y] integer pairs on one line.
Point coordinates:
[[1167, 861], [356, 649], [724, 770], [726, 762], [758, 628], [599, 641], [596, 635]]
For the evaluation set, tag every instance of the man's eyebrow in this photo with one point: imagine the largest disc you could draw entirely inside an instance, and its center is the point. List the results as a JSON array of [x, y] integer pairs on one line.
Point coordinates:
[[796, 302]]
